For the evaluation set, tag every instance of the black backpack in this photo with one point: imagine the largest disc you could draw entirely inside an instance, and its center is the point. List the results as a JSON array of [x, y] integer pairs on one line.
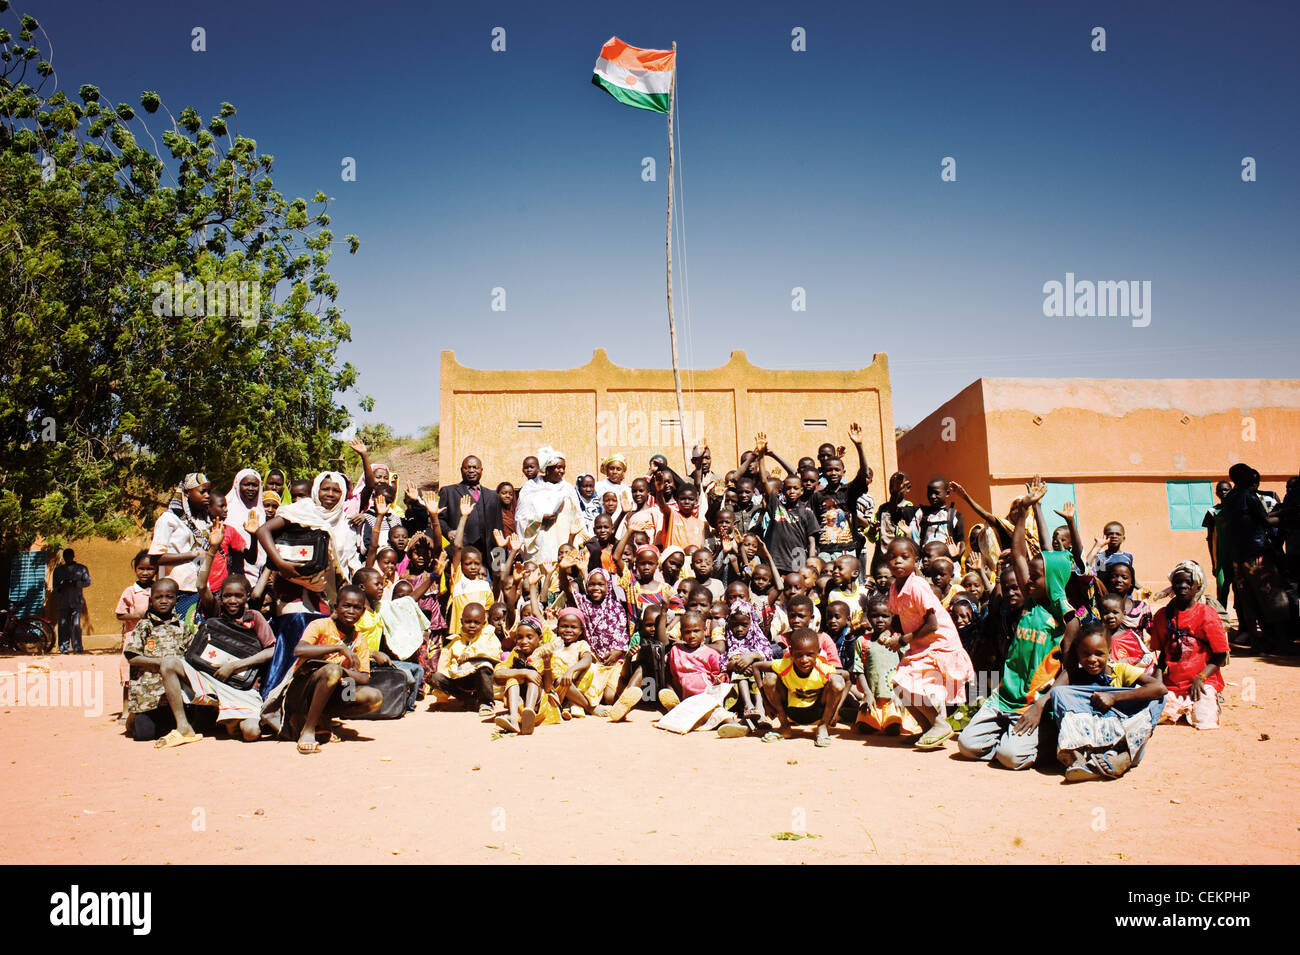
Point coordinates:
[[308, 548], [218, 642]]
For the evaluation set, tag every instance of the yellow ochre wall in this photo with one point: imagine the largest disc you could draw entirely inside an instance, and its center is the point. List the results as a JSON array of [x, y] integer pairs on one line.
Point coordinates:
[[602, 408], [1118, 441]]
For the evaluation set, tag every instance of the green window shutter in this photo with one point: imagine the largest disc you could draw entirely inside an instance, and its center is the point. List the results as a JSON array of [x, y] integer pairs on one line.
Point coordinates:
[[1188, 502]]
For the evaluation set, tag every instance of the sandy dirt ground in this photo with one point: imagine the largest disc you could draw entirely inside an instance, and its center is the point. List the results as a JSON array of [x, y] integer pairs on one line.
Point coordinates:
[[435, 787]]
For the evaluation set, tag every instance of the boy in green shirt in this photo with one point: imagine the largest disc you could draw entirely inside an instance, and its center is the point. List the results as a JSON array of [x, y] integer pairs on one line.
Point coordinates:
[[1006, 727]]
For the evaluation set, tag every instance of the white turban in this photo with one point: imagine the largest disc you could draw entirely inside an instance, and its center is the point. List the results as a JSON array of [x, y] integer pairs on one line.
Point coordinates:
[[549, 457]]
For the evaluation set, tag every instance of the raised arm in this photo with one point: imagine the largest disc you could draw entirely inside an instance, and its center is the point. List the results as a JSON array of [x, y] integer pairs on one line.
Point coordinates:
[[1019, 546], [466, 505], [207, 599], [862, 480], [359, 446], [1076, 548], [985, 515]]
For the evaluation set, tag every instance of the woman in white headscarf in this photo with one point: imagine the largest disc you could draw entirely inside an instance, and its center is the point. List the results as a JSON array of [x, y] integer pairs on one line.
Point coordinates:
[[322, 511], [245, 513], [550, 513]]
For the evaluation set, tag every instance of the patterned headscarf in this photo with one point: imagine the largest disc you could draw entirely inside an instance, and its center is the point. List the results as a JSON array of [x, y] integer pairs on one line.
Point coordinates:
[[753, 641], [1198, 576]]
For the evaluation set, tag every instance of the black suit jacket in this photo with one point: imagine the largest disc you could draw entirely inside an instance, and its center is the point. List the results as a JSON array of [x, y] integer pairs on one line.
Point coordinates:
[[485, 518]]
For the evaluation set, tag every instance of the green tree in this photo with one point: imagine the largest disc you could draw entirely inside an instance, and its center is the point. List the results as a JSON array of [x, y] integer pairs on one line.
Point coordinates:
[[123, 365]]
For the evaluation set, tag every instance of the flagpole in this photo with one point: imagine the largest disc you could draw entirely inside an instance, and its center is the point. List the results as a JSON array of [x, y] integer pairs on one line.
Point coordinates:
[[672, 325]]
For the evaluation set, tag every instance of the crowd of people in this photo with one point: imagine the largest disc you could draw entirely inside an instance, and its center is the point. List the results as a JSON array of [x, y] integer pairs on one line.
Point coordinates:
[[759, 602]]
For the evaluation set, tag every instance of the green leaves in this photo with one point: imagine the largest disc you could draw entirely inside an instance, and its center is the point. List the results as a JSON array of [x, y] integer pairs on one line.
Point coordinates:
[[161, 313]]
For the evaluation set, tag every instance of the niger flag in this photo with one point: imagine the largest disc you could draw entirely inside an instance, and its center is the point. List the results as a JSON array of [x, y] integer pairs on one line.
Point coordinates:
[[640, 78]]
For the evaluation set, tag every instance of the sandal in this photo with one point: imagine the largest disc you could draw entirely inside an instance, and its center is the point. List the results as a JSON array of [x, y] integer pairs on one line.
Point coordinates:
[[935, 736], [507, 724], [772, 736], [732, 730], [527, 720], [308, 748], [177, 738]]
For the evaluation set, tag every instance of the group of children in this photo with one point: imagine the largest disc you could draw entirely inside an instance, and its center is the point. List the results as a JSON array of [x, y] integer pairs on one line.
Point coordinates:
[[741, 604]]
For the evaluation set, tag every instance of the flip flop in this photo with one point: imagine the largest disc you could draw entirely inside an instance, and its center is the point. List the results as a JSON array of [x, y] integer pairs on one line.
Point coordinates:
[[308, 748], [934, 737], [177, 738], [732, 730], [507, 724], [527, 720], [772, 736]]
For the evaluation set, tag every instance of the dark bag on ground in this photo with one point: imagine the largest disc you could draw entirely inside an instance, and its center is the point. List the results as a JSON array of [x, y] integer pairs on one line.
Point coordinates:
[[395, 684], [308, 548], [219, 642]]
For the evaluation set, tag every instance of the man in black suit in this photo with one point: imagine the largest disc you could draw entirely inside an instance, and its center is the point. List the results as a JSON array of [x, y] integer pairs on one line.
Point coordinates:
[[483, 520]]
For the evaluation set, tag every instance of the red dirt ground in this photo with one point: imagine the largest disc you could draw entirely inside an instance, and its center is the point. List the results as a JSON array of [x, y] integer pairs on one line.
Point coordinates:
[[434, 787]]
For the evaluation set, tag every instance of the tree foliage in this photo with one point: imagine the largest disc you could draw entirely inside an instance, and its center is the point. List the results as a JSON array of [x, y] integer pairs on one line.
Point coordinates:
[[114, 384]]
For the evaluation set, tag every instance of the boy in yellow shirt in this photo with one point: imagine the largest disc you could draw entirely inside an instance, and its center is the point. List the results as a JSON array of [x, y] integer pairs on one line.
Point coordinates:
[[803, 688], [467, 661]]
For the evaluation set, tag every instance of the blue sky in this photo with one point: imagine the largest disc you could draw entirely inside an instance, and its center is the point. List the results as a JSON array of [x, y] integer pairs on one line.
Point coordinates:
[[817, 169]]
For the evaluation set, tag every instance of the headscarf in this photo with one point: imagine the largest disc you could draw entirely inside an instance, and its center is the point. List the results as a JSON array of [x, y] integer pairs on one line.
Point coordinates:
[[1198, 577], [533, 624], [180, 506], [668, 552], [237, 511], [753, 641], [1121, 558], [271, 496], [612, 459], [309, 512], [607, 621], [571, 612], [548, 457]]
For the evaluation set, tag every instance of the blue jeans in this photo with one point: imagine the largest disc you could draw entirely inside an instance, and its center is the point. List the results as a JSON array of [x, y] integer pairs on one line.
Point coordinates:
[[417, 672]]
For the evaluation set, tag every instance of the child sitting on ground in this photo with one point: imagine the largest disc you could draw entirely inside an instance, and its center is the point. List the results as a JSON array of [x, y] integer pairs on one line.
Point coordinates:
[[330, 673], [467, 661], [880, 711], [744, 647], [1005, 728], [160, 637], [520, 679], [803, 688], [567, 667], [1101, 733], [934, 668], [1193, 649], [693, 665]]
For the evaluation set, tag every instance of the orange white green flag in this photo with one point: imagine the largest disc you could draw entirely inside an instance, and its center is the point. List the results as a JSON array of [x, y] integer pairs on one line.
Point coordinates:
[[640, 78]]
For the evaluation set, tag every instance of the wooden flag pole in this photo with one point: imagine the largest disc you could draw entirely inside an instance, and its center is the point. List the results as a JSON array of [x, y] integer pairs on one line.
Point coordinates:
[[672, 325]]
